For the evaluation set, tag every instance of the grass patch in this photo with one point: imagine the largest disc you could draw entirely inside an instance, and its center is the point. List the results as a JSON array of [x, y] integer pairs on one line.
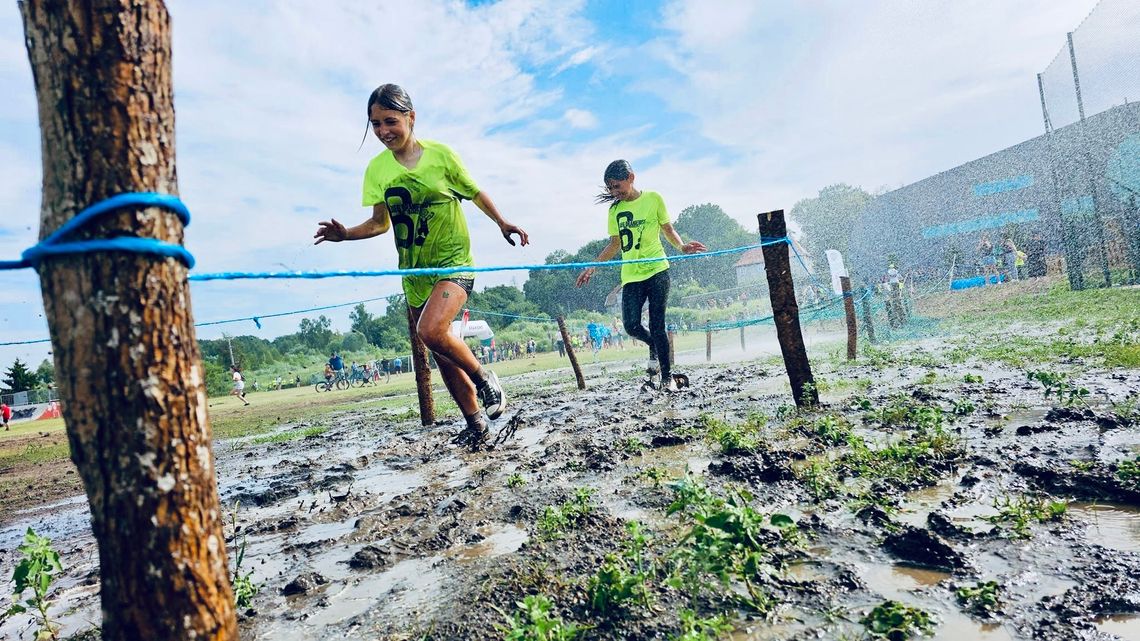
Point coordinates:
[[290, 435]]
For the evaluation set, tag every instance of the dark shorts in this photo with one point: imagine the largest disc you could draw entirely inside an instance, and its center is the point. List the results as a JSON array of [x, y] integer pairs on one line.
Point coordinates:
[[468, 284]]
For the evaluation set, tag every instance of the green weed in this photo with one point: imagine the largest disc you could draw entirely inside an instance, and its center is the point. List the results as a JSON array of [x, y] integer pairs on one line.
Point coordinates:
[[614, 587], [983, 599], [820, 479], [38, 567], [1015, 514], [535, 622], [515, 480], [1057, 384], [654, 474], [1129, 471], [897, 622], [243, 585], [631, 446], [694, 628], [963, 407], [972, 378], [555, 521]]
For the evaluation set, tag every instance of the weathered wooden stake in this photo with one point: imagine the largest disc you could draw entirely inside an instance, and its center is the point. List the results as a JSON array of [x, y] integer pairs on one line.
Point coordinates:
[[672, 349], [868, 324], [570, 353], [126, 356], [785, 309], [742, 347], [708, 342], [849, 308], [421, 367]]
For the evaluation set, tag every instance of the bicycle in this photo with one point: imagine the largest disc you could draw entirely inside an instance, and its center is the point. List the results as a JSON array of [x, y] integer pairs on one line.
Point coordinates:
[[340, 382]]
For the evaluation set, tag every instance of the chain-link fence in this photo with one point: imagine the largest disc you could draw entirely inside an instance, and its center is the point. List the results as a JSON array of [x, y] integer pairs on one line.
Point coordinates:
[[29, 397]]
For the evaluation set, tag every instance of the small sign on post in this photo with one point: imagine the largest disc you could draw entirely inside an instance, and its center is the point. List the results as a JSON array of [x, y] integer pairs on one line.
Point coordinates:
[[785, 309]]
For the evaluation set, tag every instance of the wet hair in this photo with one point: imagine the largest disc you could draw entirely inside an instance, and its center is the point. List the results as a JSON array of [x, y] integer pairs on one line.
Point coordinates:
[[387, 96], [392, 97], [616, 170]]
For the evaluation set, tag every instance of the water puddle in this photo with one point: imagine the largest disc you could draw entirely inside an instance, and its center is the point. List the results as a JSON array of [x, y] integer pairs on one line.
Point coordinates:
[[1125, 626], [502, 539], [59, 521], [1111, 525]]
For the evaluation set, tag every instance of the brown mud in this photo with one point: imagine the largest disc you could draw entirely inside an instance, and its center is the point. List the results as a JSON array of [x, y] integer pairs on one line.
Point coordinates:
[[382, 530]]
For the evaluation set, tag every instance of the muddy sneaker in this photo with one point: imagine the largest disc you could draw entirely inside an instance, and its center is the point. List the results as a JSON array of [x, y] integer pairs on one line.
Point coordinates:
[[652, 367], [669, 385], [492, 396], [473, 437]]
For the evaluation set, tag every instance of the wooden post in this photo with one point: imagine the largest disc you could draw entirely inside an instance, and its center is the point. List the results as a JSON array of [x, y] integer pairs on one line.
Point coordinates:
[[849, 308], [672, 349], [422, 369], [742, 347], [570, 353], [786, 310], [708, 342], [126, 355], [868, 324], [895, 304]]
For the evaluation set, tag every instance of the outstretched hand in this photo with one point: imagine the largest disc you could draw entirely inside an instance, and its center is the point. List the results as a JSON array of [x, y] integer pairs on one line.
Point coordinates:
[[332, 231], [509, 229], [693, 247], [584, 277]]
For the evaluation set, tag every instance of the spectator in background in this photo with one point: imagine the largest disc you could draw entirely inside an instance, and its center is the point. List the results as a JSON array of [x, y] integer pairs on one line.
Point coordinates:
[[1009, 258], [6, 414], [337, 364], [398, 363], [1035, 256]]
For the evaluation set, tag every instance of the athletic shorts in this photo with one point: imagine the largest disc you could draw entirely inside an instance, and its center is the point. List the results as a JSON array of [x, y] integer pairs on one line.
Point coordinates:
[[468, 284]]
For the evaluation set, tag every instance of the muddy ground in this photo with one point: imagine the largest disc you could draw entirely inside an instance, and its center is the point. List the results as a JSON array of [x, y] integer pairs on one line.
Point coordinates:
[[897, 487]]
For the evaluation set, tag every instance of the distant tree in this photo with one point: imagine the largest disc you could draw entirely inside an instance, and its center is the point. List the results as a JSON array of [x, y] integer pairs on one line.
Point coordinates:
[[19, 378], [367, 325], [316, 334], [46, 372], [504, 299], [353, 342], [709, 224], [827, 219], [553, 291]]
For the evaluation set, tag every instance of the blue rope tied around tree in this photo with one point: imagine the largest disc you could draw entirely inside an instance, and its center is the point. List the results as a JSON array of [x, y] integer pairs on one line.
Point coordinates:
[[57, 244]]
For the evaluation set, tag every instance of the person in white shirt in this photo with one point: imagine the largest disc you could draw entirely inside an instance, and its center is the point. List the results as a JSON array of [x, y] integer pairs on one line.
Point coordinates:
[[239, 385]]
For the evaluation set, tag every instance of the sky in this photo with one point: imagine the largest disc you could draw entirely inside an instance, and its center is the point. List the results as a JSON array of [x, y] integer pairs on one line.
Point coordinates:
[[746, 104]]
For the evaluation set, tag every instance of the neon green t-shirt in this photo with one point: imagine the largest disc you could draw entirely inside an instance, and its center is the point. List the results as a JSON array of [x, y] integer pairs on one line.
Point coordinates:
[[637, 223], [427, 221]]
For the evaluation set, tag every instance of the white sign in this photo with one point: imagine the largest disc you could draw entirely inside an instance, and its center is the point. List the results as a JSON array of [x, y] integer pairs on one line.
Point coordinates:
[[835, 262]]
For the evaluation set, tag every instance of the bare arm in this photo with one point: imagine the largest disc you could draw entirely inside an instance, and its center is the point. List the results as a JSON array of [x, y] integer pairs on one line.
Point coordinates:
[[608, 252], [483, 202], [335, 231], [671, 235]]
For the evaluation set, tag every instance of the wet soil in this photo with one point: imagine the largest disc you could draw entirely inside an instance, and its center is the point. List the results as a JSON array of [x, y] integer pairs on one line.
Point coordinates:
[[384, 530]]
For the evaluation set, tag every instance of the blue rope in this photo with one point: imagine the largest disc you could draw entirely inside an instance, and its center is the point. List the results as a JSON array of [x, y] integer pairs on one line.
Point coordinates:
[[55, 245], [257, 319], [443, 271]]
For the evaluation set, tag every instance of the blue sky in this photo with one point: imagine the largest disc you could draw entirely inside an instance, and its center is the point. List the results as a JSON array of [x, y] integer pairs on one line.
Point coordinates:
[[750, 105]]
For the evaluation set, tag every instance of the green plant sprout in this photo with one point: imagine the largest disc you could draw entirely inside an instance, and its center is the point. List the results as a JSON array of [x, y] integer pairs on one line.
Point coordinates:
[[534, 622], [515, 480], [39, 566], [983, 599], [243, 585], [1057, 384], [1015, 514], [897, 622]]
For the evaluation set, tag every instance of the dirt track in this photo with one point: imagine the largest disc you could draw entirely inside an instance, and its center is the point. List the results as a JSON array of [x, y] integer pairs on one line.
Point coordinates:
[[381, 530]]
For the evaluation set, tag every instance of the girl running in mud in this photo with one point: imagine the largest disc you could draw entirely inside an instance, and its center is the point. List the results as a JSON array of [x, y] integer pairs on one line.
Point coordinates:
[[636, 221], [414, 188]]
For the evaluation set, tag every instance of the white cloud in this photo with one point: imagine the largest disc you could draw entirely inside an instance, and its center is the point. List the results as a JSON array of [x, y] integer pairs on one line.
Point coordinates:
[[580, 119]]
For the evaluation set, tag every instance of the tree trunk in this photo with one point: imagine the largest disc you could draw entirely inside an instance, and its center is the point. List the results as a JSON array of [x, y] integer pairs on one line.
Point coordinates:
[[126, 357]]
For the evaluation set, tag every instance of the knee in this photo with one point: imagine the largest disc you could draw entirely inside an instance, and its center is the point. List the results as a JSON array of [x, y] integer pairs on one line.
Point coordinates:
[[631, 325], [433, 337]]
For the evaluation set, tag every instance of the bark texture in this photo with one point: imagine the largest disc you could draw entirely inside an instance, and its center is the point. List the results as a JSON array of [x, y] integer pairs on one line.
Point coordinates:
[[785, 309], [422, 368], [126, 357], [581, 380]]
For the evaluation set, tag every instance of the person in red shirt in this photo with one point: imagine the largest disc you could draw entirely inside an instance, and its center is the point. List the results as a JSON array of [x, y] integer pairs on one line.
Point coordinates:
[[6, 412]]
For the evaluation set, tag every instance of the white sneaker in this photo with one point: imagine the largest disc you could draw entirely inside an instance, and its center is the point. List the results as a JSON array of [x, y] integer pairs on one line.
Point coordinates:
[[670, 385], [492, 396]]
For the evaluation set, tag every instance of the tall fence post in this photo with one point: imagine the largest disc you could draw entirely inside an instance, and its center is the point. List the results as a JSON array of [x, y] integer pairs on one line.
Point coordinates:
[[570, 353], [742, 347], [423, 373], [672, 349], [708, 342], [124, 346], [785, 309], [849, 308], [868, 324]]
